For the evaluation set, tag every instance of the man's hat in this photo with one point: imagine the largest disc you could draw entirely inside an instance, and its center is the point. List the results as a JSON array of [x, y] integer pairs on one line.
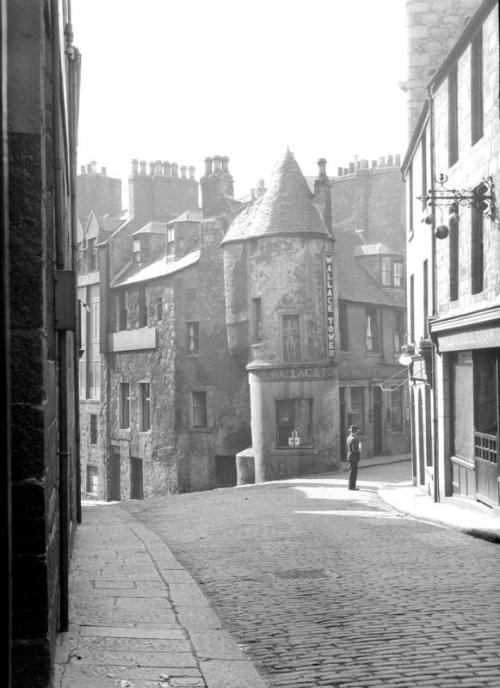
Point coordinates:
[[353, 428]]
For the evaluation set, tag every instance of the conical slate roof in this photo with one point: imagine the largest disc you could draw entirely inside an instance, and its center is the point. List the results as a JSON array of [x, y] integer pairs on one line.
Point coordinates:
[[286, 207]]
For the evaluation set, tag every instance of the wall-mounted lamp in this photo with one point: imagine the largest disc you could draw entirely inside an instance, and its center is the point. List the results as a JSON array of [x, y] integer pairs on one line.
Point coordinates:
[[481, 197], [422, 356]]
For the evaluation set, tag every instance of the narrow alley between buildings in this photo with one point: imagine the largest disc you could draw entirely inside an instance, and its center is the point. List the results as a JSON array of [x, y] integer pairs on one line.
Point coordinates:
[[311, 585]]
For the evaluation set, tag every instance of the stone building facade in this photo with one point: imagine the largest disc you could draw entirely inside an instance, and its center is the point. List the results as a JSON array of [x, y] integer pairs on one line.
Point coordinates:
[[368, 221], [219, 327], [280, 292], [432, 29], [454, 290], [38, 375]]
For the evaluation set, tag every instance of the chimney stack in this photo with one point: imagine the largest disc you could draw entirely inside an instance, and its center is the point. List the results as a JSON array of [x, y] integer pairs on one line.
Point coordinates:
[[143, 165], [323, 194], [191, 172]]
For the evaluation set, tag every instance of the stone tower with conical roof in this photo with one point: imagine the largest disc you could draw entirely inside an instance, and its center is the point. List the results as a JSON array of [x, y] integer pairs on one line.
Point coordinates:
[[279, 276]]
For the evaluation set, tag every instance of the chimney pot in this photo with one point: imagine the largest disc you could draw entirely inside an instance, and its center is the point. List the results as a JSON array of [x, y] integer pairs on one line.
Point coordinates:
[[364, 164], [166, 168], [208, 166], [390, 161], [183, 171], [135, 166], [340, 170], [217, 164], [143, 165], [151, 168], [351, 168], [103, 170], [93, 166], [225, 164], [397, 160], [82, 169], [322, 167], [158, 167], [374, 164], [174, 169], [89, 169], [346, 170], [381, 162], [191, 172]]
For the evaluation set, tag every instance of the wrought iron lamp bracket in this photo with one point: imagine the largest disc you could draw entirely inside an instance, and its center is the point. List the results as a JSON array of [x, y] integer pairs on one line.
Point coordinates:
[[481, 197]]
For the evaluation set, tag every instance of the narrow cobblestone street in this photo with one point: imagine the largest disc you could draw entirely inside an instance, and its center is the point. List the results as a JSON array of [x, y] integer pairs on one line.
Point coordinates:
[[325, 587]]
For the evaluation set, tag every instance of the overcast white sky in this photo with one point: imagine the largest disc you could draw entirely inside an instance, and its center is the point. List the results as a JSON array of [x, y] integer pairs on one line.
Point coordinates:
[[180, 80]]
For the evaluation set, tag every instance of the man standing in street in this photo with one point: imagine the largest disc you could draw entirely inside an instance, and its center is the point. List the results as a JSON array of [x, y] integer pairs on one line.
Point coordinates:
[[353, 452]]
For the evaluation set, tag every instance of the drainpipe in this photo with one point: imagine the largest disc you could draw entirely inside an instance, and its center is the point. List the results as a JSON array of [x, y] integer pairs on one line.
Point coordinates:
[[434, 294], [73, 100], [62, 335]]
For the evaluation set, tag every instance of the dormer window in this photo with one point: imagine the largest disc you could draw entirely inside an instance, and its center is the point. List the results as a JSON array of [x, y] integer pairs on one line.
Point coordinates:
[[136, 251], [391, 272], [170, 244]]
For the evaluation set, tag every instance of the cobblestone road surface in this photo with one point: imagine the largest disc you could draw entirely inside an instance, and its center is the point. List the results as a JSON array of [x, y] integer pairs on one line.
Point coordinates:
[[326, 587]]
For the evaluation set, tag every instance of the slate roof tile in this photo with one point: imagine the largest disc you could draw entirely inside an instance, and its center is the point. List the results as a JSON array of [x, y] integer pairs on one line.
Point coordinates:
[[286, 207]]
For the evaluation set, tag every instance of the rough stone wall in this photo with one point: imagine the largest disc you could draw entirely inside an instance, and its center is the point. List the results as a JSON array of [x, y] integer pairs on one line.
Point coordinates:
[[156, 447], [36, 394], [288, 274], [433, 28], [474, 163], [160, 196], [199, 296], [98, 192], [371, 201]]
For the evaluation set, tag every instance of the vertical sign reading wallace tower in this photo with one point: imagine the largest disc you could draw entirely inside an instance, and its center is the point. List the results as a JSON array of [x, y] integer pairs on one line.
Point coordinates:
[[330, 311]]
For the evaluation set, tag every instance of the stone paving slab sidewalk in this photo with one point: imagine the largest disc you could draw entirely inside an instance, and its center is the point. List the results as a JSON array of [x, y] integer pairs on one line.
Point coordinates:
[[465, 515], [137, 618]]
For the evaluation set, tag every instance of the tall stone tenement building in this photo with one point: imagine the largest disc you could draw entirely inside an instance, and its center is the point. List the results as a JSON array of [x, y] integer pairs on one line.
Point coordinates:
[[215, 331], [39, 81], [452, 171], [433, 26]]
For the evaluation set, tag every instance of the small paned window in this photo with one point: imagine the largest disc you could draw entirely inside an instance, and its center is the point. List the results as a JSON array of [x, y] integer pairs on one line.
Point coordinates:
[[170, 245], [92, 254], [193, 337], [452, 116], [124, 405], [477, 250], [256, 320], [136, 251], [425, 281], [397, 410], [294, 423], [372, 333], [199, 409], [412, 308], [92, 479], [291, 338], [410, 201], [423, 148], [453, 243], [476, 93], [143, 309], [93, 428], [397, 273], [386, 272], [122, 310], [343, 326], [358, 407], [398, 331], [145, 407]]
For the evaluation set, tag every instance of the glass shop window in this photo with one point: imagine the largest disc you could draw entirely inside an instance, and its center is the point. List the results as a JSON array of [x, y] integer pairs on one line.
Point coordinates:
[[294, 423]]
